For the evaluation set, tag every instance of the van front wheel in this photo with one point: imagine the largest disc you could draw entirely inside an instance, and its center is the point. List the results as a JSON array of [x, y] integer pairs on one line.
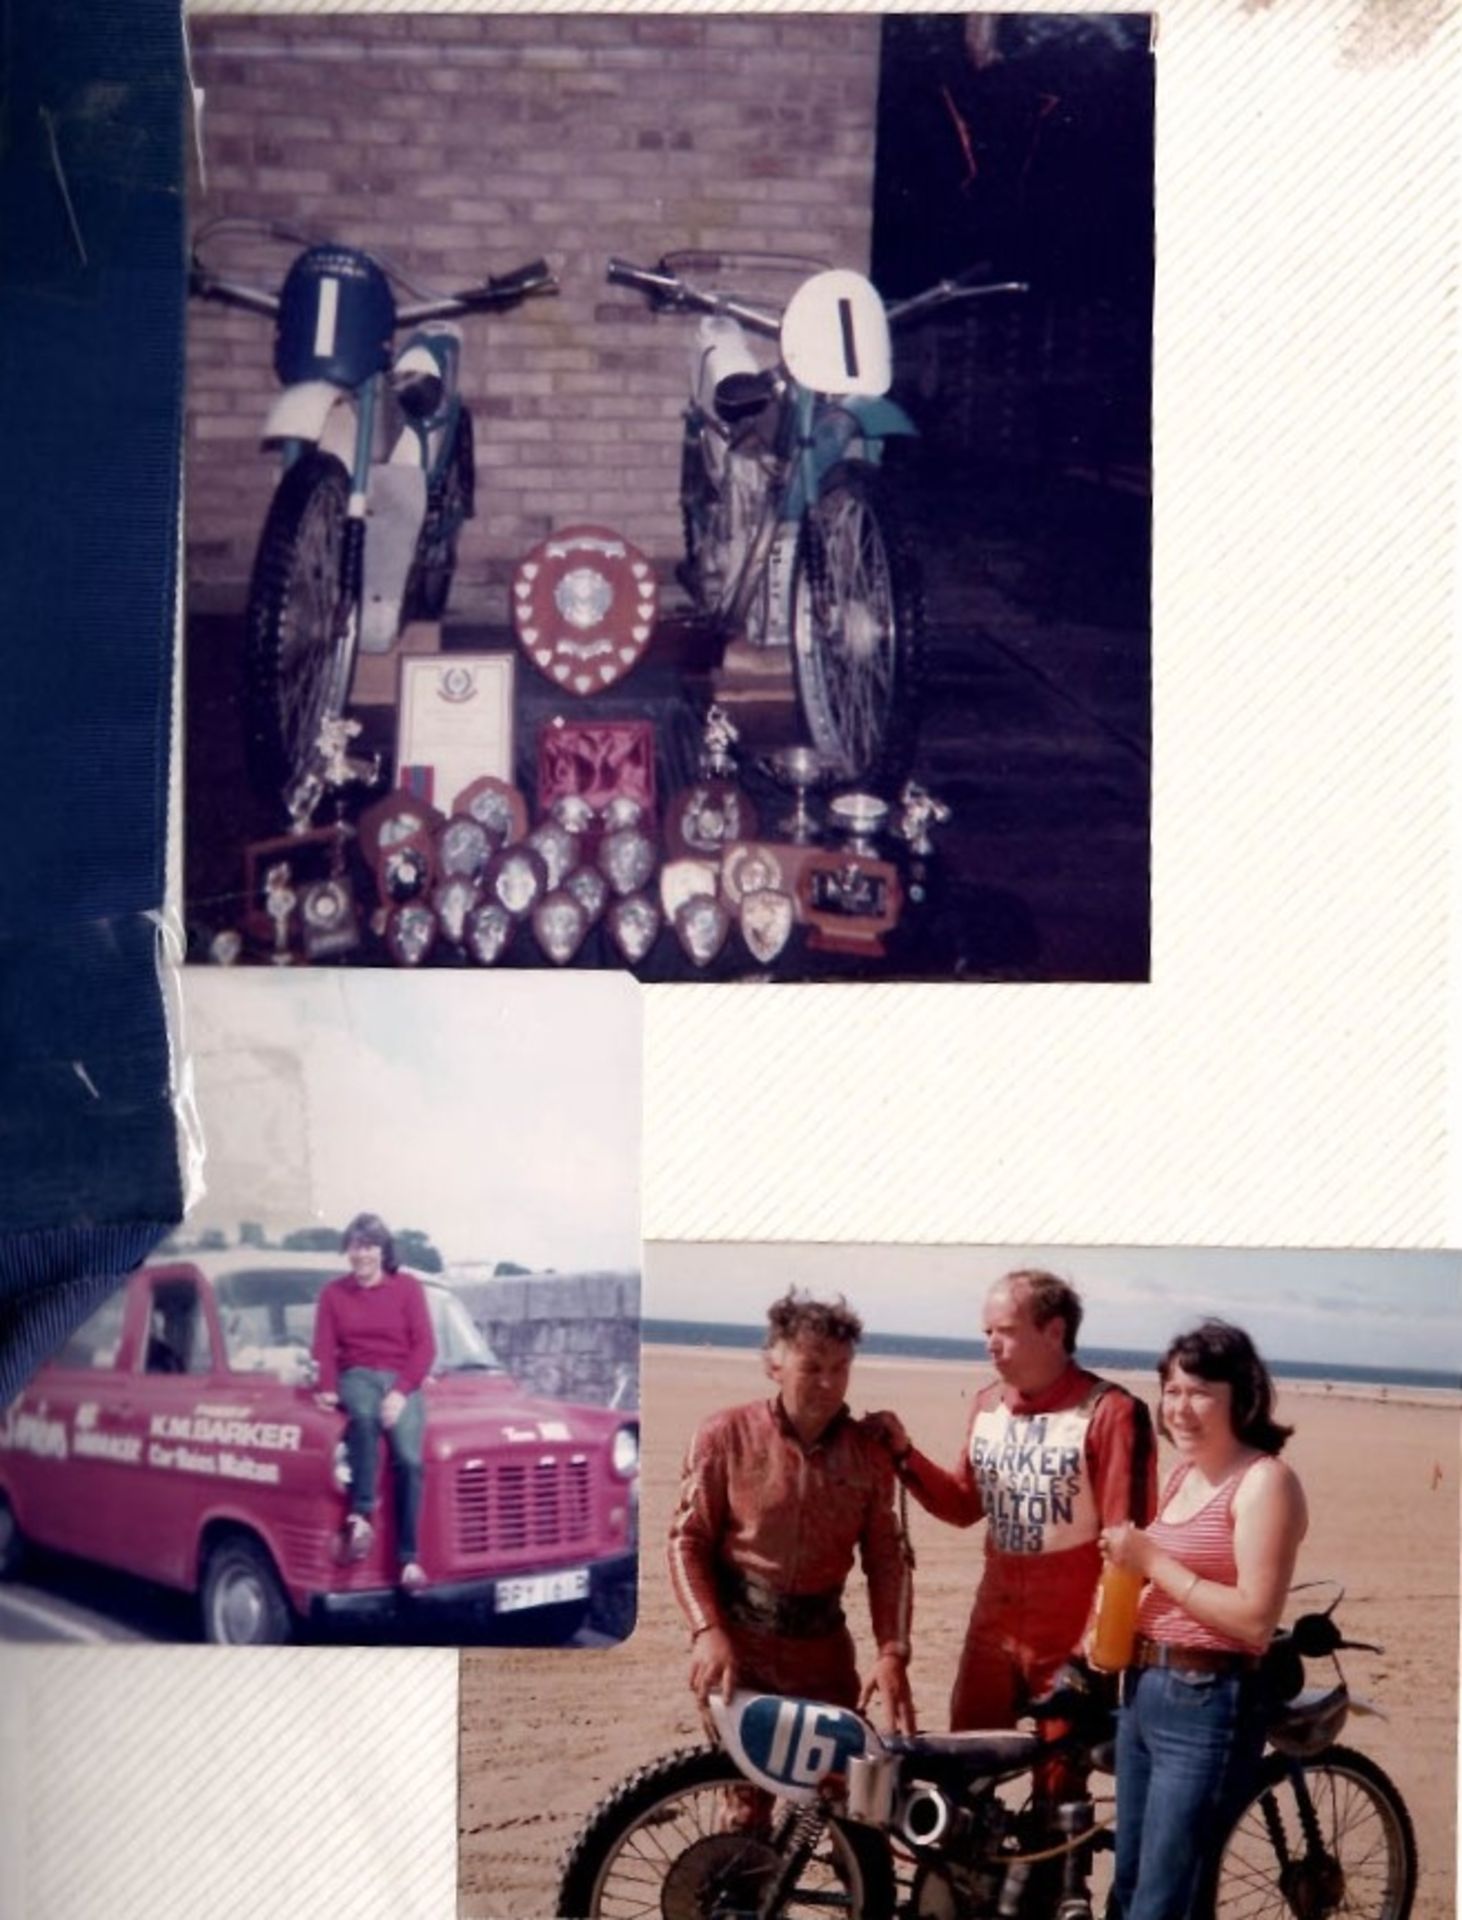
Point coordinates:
[[243, 1603]]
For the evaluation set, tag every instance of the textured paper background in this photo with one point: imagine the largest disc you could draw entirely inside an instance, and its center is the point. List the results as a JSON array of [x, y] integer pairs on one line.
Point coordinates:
[[1283, 1080]]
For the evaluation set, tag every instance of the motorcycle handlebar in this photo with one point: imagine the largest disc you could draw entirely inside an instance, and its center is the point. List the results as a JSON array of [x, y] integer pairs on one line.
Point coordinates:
[[665, 289], [499, 290]]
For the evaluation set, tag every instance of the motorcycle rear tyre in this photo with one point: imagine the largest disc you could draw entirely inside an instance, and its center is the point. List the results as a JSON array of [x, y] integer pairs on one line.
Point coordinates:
[[856, 617], [299, 652], [1364, 1829], [645, 1801]]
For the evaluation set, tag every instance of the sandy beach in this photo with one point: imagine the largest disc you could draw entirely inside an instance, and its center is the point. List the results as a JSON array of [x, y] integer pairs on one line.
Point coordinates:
[[544, 1735]]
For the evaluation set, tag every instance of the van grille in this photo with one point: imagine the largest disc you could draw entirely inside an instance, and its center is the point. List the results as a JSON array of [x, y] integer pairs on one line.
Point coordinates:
[[522, 1506]]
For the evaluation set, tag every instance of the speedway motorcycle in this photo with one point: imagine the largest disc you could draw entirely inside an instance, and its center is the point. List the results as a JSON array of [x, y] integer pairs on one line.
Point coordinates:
[[793, 538], [951, 1826], [377, 477]]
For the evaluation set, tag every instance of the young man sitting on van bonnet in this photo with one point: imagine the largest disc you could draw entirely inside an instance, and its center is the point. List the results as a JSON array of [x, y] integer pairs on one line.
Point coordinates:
[[373, 1348]]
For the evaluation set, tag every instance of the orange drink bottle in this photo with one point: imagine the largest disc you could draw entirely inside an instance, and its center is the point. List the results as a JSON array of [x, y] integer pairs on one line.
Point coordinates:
[[1116, 1619]]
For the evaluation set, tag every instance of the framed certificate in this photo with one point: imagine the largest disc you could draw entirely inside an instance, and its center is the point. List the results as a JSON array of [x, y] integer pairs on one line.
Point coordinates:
[[455, 722]]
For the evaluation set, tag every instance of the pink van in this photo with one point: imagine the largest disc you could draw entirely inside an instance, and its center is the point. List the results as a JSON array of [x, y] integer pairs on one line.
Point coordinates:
[[175, 1437]]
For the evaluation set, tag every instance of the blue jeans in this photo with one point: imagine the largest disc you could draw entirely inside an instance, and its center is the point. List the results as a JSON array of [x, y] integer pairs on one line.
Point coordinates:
[[362, 1389], [1188, 1748]]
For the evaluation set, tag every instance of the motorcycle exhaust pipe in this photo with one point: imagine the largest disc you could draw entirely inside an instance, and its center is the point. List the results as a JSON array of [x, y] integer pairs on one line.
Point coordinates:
[[870, 1788], [927, 1818]]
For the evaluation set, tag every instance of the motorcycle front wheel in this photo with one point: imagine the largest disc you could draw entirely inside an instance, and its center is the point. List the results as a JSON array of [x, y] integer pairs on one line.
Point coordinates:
[[857, 625], [664, 1846], [1317, 1838], [301, 635]]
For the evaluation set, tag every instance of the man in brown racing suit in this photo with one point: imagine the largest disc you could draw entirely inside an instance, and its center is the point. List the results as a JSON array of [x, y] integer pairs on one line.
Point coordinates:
[[1051, 1456], [776, 1497]]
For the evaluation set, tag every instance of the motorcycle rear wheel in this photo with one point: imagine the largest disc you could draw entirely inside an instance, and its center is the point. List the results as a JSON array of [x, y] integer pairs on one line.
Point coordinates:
[[857, 626], [300, 636], [656, 1847], [1336, 1838]]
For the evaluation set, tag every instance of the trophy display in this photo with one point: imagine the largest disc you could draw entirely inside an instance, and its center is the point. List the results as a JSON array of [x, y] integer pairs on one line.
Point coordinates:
[[495, 805], [849, 901], [712, 812], [634, 926], [701, 926], [411, 932], [590, 889], [573, 813], [748, 868], [464, 847], [322, 921], [226, 947], [598, 761], [584, 608], [280, 900], [489, 928], [624, 811], [861, 816], [329, 925], [517, 879], [683, 880], [455, 722], [803, 770], [559, 926], [627, 859], [558, 849], [398, 837], [920, 812], [452, 900], [766, 917]]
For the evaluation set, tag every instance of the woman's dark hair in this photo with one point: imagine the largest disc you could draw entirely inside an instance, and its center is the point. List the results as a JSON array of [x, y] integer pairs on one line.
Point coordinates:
[[373, 1231], [1216, 1351]]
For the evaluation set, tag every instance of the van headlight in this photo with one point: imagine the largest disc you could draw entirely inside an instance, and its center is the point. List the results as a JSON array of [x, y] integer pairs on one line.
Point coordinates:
[[624, 1451]]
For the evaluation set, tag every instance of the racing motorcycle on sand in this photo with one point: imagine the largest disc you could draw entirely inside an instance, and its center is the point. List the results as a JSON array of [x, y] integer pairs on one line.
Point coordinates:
[[952, 1826], [793, 535], [377, 476]]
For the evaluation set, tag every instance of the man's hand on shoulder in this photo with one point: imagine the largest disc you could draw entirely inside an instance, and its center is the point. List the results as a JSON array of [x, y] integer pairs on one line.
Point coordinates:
[[889, 1431]]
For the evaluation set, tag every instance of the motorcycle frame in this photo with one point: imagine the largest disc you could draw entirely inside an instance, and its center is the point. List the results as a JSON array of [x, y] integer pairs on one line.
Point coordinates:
[[815, 434]]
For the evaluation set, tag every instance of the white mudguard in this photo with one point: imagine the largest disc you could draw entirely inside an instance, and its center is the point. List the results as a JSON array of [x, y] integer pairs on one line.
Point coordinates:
[[316, 412], [790, 1746], [721, 348], [395, 509]]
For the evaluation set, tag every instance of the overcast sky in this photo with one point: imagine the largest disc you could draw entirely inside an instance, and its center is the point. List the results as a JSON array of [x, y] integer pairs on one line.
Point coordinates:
[[499, 1113], [1392, 1309]]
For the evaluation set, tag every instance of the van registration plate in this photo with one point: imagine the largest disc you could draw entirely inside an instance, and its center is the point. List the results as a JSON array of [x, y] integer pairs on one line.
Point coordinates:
[[541, 1590]]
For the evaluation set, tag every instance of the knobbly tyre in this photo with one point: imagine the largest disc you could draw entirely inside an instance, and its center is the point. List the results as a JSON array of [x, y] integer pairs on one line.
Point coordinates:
[[793, 537], [377, 477], [947, 1826]]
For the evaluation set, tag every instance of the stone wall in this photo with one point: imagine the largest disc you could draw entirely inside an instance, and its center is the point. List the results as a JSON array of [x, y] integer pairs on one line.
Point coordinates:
[[463, 145], [569, 1336]]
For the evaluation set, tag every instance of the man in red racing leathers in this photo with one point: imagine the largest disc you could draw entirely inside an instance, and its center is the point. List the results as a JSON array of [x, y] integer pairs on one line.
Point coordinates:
[[775, 1499], [1052, 1455]]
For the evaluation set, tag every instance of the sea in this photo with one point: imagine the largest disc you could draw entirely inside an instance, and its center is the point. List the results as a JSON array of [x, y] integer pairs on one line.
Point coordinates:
[[922, 1346]]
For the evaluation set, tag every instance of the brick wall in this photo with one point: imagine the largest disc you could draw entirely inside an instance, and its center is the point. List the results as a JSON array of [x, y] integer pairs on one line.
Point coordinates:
[[569, 1336], [462, 145]]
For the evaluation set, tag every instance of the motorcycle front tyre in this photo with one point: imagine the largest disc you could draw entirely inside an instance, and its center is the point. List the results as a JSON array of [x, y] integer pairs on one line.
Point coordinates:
[[657, 1845], [1268, 1869], [856, 619], [299, 648]]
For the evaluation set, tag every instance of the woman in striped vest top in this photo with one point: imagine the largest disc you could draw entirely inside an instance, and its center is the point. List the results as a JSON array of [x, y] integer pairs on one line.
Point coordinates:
[[1218, 1560]]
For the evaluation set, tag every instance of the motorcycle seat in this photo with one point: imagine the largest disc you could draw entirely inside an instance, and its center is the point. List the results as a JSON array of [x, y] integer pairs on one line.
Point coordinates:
[[985, 1751]]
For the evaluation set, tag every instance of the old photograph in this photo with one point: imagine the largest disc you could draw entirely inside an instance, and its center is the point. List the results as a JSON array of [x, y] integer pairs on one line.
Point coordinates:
[[382, 1385], [896, 1479], [672, 493]]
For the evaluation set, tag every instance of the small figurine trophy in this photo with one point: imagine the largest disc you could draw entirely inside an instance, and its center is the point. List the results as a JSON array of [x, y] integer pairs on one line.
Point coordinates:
[[279, 904]]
